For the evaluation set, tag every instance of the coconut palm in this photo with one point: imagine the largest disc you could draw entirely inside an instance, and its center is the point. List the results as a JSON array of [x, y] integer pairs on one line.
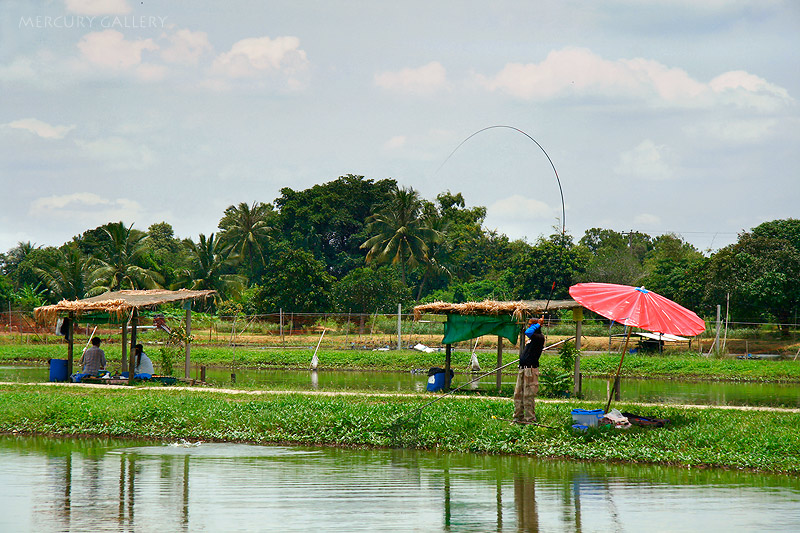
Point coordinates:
[[245, 230], [122, 261], [68, 274], [399, 232], [208, 265]]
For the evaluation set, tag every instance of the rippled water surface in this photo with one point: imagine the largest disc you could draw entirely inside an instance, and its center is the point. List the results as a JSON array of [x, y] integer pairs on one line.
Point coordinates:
[[49, 484]]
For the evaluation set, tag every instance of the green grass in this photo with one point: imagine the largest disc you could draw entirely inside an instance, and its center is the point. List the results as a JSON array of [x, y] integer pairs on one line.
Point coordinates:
[[678, 366], [764, 441]]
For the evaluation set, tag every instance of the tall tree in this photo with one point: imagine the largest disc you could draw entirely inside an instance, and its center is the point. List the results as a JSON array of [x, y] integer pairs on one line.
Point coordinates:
[[123, 261], [399, 233], [68, 274], [294, 281], [208, 269], [329, 219], [244, 231]]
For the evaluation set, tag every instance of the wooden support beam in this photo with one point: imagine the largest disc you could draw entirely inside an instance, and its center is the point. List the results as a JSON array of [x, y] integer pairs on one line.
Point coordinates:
[[577, 315], [132, 363], [499, 362], [124, 365], [70, 342], [187, 366], [447, 353]]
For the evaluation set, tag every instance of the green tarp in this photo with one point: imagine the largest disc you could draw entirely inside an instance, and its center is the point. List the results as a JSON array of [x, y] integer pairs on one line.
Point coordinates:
[[465, 327]]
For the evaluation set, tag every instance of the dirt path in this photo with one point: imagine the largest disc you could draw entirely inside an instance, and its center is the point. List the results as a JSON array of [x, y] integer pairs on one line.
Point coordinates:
[[383, 395]]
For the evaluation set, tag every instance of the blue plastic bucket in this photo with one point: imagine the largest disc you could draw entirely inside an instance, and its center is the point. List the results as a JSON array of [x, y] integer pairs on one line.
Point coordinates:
[[436, 382], [58, 370]]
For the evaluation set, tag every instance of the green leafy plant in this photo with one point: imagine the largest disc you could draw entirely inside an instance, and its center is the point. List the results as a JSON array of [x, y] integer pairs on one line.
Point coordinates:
[[553, 383]]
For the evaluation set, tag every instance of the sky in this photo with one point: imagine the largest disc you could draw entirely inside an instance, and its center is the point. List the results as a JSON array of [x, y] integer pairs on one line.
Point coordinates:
[[659, 116]]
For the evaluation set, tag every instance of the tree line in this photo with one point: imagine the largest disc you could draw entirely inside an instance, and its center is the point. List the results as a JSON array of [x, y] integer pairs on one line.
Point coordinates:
[[362, 245]]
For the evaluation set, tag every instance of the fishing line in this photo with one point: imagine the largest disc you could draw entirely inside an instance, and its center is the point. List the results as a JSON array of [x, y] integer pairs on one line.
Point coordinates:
[[560, 190]]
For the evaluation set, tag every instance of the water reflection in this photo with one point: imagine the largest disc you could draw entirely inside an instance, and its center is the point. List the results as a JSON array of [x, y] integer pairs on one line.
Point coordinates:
[[107, 485]]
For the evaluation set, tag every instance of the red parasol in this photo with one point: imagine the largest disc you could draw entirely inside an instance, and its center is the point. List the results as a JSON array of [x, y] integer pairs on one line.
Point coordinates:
[[636, 306]]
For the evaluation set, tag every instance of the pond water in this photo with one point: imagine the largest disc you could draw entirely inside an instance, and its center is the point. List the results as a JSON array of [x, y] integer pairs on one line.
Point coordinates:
[[49, 484], [638, 390]]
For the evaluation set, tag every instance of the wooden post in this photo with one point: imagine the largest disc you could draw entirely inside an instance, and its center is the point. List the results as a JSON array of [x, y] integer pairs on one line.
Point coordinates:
[[124, 365], [577, 315], [188, 307], [134, 326], [399, 325], [499, 362], [70, 341], [447, 353]]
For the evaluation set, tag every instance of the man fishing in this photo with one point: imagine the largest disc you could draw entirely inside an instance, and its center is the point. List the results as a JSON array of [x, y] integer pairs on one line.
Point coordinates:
[[528, 377]]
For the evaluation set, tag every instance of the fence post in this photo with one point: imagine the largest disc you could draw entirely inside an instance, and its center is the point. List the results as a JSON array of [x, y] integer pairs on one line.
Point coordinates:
[[399, 324]]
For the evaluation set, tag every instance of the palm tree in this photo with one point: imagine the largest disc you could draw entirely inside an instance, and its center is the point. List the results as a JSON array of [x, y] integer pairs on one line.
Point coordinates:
[[17, 255], [123, 261], [439, 259], [208, 265], [399, 232], [245, 229], [69, 274]]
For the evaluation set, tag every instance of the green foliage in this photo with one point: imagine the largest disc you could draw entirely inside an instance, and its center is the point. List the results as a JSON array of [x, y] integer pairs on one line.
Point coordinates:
[[294, 280], [554, 383], [366, 290], [328, 220], [123, 261], [399, 234], [534, 269], [28, 297], [707, 437], [68, 274], [567, 353], [244, 232], [208, 270]]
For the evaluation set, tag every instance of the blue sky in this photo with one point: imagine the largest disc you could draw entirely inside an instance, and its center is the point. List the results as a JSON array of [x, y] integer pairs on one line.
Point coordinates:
[[660, 115]]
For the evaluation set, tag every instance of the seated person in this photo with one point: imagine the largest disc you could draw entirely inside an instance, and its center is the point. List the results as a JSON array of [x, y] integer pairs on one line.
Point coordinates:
[[144, 366], [93, 361]]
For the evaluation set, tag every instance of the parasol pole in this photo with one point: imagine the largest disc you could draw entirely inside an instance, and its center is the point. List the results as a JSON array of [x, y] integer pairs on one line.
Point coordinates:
[[619, 368]]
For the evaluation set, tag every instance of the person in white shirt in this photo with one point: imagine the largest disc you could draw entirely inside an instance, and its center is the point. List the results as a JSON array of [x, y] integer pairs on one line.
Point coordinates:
[[144, 366]]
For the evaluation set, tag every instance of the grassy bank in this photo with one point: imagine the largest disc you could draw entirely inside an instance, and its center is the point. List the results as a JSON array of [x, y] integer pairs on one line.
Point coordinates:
[[677, 366], [765, 441]]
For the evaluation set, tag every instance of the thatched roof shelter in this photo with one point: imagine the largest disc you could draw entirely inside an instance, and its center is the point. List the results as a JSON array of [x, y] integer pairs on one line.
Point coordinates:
[[519, 310], [474, 319], [119, 303], [122, 304]]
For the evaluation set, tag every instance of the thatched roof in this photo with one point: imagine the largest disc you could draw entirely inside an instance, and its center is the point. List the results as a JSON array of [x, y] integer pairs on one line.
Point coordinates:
[[119, 302], [519, 309]]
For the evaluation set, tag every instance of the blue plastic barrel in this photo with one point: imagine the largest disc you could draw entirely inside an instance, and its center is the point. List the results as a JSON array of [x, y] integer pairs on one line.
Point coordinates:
[[58, 370], [436, 382]]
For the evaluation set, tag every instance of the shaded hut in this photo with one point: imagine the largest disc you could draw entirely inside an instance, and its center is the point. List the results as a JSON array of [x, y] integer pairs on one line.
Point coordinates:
[[124, 306], [470, 320]]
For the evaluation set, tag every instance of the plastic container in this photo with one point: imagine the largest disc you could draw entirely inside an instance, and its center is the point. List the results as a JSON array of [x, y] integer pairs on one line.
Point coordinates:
[[436, 382], [586, 417], [579, 427], [58, 370], [436, 379]]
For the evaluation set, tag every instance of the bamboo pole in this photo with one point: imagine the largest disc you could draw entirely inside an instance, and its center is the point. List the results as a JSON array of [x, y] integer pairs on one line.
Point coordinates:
[[619, 367]]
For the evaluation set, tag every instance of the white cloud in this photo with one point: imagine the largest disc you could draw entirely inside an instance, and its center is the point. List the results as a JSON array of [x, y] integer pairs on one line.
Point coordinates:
[[120, 153], [88, 208], [520, 208], [580, 72], [646, 219], [259, 56], [398, 141], [109, 49], [186, 47], [733, 131], [426, 79], [41, 128], [98, 7], [646, 161], [746, 90]]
